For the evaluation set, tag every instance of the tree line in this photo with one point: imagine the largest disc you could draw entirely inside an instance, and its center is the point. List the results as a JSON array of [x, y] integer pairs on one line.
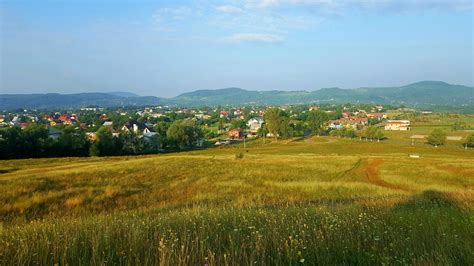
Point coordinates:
[[34, 141]]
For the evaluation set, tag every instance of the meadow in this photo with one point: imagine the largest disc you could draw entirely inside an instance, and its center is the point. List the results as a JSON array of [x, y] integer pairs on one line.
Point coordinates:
[[320, 201]]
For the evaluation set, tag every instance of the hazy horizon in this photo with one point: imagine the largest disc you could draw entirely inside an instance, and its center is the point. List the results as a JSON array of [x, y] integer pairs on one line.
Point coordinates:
[[165, 48], [171, 96]]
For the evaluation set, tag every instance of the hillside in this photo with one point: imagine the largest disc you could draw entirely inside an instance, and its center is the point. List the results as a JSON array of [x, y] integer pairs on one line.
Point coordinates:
[[319, 201], [56, 100], [424, 94]]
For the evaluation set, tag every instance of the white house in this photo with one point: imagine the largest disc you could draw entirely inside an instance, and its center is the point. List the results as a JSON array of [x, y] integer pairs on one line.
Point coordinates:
[[254, 124], [399, 125], [136, 127]]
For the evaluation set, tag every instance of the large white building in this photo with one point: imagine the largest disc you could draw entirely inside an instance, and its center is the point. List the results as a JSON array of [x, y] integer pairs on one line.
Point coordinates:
[[400, 125]]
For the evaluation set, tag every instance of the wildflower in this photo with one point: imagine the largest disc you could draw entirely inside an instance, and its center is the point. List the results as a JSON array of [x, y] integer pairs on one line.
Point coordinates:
[[301, 260]]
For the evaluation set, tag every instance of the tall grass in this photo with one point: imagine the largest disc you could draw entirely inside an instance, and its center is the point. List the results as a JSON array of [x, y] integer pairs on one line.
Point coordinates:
[[427, 230], [324, 202]]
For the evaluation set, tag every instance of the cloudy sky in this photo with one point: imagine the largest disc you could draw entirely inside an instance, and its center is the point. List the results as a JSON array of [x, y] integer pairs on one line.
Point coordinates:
[[164, 48]]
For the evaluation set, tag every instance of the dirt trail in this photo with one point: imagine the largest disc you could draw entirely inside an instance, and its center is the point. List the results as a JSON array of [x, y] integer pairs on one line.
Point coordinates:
[[309, 140], [371, 170]]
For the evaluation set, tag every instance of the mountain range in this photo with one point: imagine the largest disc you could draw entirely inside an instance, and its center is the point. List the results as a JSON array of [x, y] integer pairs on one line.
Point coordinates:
[[421, 94]]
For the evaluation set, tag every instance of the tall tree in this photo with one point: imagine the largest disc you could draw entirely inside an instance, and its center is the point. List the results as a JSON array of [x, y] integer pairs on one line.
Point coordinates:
[[183, 134], [273, 117], [285, 131], [316, 120], [72, 143], [106, 144], [469, 142], [239, 123], [437, 137]]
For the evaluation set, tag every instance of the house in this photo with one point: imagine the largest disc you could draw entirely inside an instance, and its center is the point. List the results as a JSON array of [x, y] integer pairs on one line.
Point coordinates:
[[223, 114], [377, 115], [136, 127], [148, 135], [399, 125], [236, 133], [23, 125], [348, 122], [202, 116], [254, 124], [108, 124], [65, 119]]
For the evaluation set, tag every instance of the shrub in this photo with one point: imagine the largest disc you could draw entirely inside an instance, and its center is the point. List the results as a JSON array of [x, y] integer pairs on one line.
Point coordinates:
[[437, 137], [239, 155]]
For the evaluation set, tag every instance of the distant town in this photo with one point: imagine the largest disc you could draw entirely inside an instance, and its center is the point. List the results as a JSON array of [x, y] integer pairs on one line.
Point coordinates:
[[123, 131]]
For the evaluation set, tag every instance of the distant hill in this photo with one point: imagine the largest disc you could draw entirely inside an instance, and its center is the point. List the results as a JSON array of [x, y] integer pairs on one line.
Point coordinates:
[[123, 94], [425, 94], [421, 94], [56, 100]]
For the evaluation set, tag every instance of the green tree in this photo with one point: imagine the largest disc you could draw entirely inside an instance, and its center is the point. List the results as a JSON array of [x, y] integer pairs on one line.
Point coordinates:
[[437, 137], [316, 120], [239, 123], [285, 131], [132, 144], [262, 131], [106, 144], [221, 123], [459, 125], [469, 142], [9, 142], [35, 142], [31, 142], [273, 119], [183, 134], [373, 133], [72, 143], [379, 135]]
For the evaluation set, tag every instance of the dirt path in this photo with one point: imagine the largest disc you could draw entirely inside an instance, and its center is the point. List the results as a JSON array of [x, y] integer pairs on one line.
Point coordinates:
[[309, 140], [371, 170]]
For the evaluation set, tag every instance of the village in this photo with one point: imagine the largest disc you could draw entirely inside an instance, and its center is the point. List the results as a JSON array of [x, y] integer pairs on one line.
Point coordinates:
[[162, 128], [235, 123]]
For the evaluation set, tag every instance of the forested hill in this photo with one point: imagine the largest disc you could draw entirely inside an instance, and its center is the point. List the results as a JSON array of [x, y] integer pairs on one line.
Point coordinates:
[[426, 93], [421, 94], [56, 100]]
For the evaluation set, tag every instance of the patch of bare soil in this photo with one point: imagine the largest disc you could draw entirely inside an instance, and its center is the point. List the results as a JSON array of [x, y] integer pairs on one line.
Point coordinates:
[[371, 170]]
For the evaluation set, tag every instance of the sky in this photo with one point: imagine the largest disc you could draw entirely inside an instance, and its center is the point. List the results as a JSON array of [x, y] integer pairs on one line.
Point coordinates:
[[164, 48]]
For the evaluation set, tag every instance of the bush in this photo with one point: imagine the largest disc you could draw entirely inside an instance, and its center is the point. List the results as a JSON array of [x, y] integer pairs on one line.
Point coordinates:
[[239, 155], [469, 142], [437, 137]]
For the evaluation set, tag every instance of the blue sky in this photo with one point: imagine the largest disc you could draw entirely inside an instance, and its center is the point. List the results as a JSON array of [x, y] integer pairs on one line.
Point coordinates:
[[164, 48]]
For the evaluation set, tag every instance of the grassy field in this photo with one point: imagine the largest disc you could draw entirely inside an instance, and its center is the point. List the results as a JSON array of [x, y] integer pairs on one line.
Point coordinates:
[[316, 201]]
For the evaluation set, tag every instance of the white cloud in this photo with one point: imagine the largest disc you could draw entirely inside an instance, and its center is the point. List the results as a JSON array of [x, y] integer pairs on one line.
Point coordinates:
[[254, 37], [385, 5], [229, 9]]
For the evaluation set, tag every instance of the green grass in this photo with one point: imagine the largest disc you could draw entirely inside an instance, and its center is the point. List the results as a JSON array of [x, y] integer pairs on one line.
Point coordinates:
[[324, 201]]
